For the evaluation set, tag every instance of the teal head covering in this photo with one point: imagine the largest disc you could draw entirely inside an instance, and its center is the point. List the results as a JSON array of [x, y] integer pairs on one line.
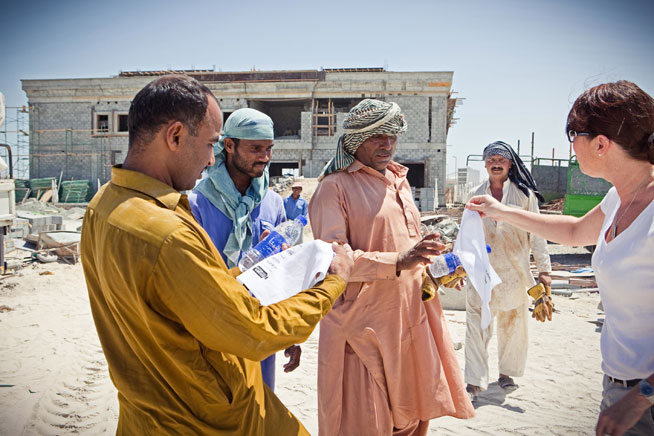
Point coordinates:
[[219, 188], [366, 119]]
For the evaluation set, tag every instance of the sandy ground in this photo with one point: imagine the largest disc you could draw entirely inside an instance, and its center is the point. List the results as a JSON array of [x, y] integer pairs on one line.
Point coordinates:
[[54, 379]]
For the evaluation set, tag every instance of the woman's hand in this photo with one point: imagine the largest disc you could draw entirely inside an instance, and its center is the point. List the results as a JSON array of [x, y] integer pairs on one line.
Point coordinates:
[[487, 206], [624, 414]]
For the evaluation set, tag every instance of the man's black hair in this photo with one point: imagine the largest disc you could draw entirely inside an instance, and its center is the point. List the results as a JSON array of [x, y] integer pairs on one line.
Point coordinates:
[[168, 98]]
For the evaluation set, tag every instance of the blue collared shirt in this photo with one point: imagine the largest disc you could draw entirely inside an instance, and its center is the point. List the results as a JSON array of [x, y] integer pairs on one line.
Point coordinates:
[[295, 208], [266, 216]]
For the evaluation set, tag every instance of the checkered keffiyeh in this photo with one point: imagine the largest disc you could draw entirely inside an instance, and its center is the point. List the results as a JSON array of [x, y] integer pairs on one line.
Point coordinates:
[[366, 119]]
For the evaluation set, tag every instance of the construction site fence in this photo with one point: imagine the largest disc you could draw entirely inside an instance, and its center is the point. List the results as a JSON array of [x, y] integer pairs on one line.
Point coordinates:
[[81, 157], [73, 154], [457, 195]]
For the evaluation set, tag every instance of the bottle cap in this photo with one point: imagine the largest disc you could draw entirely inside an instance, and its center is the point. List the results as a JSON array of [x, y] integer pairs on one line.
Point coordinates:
[[488, 249], [302, 219]]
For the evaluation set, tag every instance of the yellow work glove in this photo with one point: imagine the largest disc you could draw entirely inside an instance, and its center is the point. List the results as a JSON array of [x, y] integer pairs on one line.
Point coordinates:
[[429, 288], [430, 285], [451, 280], [543, 304]]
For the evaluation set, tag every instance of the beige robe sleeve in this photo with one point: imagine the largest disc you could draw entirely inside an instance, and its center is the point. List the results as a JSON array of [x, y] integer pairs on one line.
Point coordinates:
[[537, 244]]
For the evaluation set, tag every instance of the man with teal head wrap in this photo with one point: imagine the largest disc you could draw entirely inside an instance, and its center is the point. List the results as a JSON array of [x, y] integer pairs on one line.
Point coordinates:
[[234, 205]]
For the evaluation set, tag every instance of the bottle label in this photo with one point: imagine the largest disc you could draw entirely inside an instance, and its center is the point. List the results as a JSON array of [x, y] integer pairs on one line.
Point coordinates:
[[452, 261], [271, 245]]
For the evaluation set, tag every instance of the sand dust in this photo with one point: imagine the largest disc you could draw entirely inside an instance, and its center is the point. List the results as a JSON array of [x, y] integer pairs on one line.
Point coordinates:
[[54, 378]]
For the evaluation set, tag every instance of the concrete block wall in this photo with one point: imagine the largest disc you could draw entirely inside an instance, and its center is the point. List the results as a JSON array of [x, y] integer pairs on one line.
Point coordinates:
[[550, 180], [340, 118], [305, 129], [228, 104], [51, 116], [416, 114], [582, 184], [439, 119], [70, 104], [426, 198], [50, 141], [432, 155], [319, 158], [288, 155]]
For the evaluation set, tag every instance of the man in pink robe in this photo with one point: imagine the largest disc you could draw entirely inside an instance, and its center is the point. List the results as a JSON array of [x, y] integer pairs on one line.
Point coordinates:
[[386, 363]]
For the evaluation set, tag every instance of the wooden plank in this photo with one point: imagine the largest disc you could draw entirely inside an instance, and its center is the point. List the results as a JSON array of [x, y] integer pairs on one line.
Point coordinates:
[[47, 195], [584, 283]]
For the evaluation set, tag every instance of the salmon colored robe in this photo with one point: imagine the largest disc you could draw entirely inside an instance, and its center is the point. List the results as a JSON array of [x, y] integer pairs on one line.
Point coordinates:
[[403, 343]]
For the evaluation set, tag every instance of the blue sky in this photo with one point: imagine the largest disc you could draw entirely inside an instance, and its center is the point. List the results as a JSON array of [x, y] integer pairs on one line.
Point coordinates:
[[519, 65]]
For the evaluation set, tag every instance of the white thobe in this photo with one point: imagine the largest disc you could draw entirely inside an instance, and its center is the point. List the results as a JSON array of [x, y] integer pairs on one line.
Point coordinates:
[[509, 302]]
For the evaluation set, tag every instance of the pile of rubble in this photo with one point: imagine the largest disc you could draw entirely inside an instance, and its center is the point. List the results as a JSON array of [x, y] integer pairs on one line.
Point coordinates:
[[280, 184], [553, 206], [44, 232], [447, 226]]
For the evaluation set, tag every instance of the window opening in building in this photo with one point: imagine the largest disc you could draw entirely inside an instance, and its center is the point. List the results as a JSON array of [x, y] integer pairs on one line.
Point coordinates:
[[102, 125], [122, 123], [286, 115], [279, 169], [324, 117], [324, 112], [416, 174]]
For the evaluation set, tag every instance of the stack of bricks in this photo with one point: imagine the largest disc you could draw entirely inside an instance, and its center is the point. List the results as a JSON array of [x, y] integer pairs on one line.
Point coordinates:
[[41, 223], [20, 228], [426, 196]]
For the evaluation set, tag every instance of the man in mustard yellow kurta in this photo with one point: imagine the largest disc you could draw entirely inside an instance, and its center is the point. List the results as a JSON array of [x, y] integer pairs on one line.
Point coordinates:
[[181, 336]]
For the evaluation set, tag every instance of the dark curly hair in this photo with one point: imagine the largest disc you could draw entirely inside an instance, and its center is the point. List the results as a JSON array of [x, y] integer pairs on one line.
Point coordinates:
[[622, 112]]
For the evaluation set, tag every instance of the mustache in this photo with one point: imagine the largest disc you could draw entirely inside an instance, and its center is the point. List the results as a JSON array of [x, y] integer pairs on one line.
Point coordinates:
[[496, 168]]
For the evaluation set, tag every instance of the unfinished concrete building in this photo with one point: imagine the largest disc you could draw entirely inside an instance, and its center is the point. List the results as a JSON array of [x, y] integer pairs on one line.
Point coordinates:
[[79, 126]]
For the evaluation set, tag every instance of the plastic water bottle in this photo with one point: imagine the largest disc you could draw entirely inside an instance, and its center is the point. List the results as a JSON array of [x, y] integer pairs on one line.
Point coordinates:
[[287, 232], [446, 264]]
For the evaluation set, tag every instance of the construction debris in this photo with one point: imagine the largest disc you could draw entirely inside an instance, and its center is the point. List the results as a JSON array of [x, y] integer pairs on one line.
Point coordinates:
[[446, 226], [553, 206], [42, 229], [40, 222], [61, 243], [281, 184]]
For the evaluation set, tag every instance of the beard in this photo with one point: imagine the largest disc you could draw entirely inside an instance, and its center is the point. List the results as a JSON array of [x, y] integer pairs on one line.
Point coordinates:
[[252, 169]]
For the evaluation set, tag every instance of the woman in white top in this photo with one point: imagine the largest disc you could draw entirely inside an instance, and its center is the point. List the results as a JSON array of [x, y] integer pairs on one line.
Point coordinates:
[[611, 127]]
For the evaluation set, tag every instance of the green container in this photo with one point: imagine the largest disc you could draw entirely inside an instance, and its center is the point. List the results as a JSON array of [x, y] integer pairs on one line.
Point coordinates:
[[75, 191], [22, 187], [579, 205], [583, 192], [39, 186]]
